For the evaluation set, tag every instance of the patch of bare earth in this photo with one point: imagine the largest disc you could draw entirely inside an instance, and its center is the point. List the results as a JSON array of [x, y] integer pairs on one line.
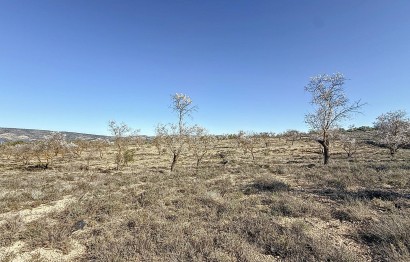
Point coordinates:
[[19, 251]]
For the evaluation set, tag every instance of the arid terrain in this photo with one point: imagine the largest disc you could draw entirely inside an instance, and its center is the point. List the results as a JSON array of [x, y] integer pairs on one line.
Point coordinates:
[[284, 205]]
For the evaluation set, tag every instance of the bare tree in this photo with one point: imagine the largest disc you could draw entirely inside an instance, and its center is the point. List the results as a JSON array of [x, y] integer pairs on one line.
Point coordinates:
[[79, 146], [100, 145], [266, 138], [7, 149], [173, 139], [176, 136], [292, 135], [182, 106], [23, 152], [332, 107], [43, 150], [121, 133], [349, 145], [199, 142], [57, 143], [393, 130], [248, 142], [157, 142]]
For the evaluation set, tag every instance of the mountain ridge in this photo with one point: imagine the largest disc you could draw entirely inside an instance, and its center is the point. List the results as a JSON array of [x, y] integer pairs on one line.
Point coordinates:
[[10, 134]]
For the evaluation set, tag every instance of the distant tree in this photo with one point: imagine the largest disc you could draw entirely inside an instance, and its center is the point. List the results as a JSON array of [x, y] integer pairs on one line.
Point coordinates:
[[331, 107], [182, 106], [393, 130], [57, 142], [248, 142], [200, 143], [7, 149], [79, 146], [43, 150], [158, 143], [122, 134], [100, 145], [292, 135], [349, 145], [23, 152], [266, 137]]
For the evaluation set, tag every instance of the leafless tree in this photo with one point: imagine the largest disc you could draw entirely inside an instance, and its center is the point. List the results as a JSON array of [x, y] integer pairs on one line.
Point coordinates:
[[57, 143], [174, 140], [292, 135], [7, 149], [331, 107], [121, 134], [157, 142], [182, 106], [100, 145], [176, 137], [81, 145], [23, 152], [248, 142], [393, 130], [200, 143], [43, 151], [349, 145], [266, 138]]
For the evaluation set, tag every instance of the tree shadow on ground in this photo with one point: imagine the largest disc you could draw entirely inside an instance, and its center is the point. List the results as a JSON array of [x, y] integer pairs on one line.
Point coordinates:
[[365, 194], [265, 185]]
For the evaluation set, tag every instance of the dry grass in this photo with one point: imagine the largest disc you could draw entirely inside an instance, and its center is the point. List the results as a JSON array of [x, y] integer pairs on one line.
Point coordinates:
[[282, 206]]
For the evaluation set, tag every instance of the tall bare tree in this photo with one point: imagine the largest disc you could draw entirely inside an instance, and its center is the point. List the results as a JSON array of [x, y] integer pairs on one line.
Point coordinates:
[[331, 107], [176, 136], [182, 106], [393, 130]]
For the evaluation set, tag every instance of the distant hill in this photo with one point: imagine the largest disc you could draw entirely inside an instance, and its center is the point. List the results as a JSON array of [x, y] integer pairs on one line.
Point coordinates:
[[19, 134]]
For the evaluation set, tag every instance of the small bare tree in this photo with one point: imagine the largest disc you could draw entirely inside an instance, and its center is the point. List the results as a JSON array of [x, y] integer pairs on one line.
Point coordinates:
[[43, 151], [200, 143], [81, 145], [266, 138], [100, 145], [248, 142], [393, 130], [292, 135], [349, 145], [157, 142], [332, 107], [23, 152], [57, 143], [7, 149], [173, 139], [121, 134]]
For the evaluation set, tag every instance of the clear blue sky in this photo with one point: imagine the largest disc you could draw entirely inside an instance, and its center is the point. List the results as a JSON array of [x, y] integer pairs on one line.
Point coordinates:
[[74, 65]]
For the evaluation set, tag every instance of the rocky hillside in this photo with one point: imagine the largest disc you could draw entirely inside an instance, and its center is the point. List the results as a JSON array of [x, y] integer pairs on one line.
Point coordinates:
[[18, 134]]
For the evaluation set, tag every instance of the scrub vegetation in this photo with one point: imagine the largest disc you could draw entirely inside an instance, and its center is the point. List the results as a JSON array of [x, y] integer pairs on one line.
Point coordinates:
[[277, 203], [187, 195]]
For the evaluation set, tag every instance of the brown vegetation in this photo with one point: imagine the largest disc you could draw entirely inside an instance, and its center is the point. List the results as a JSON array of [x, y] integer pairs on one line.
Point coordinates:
[[282, 206]]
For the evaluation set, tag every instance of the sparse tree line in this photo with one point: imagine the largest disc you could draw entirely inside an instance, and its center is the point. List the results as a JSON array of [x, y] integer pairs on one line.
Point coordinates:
[[392, 130]]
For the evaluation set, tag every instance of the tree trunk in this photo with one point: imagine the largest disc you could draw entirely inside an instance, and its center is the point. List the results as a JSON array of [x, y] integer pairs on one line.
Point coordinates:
[[393, 152], [174, 161], [326, 150], [326, 154]]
